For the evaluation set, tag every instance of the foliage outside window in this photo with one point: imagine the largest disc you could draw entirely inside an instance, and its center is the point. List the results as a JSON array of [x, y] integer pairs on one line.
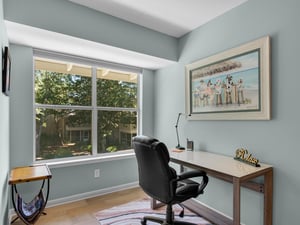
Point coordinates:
[[82, 109]]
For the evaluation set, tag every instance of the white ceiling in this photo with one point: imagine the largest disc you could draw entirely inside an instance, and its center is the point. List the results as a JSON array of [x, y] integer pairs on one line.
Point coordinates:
[[172, 17]]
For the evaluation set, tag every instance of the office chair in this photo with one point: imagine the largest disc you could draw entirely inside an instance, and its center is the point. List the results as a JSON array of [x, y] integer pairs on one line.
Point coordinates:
[[160, 181]]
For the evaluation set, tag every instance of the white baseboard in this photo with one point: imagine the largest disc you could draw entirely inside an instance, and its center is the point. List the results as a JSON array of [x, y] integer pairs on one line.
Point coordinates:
[[91, 194], [81, 196], [209, 213]]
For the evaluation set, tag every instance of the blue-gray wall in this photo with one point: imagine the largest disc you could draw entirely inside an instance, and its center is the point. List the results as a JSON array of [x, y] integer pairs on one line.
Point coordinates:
[[4, 133], [275, 142]]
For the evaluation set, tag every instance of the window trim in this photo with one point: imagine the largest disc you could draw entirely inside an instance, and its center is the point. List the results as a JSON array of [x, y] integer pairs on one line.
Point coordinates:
[[95, 157], [85, 60], [83, 160]]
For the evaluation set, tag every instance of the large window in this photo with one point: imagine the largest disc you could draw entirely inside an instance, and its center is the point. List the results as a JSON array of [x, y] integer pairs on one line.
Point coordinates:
[[83, 108]]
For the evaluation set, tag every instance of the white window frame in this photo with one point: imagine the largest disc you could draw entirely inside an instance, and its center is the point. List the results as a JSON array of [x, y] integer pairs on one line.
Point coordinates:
[[95, 157]]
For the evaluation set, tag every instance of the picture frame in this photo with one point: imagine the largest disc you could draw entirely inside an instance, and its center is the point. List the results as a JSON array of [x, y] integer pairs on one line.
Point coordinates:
[[6, 72], [231, 85]]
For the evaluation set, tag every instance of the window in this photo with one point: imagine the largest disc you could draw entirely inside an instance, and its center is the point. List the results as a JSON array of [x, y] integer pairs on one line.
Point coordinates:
[[83, 108]]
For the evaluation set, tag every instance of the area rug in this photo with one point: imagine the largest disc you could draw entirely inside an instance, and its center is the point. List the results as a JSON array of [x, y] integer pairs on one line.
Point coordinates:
[[132, 213]]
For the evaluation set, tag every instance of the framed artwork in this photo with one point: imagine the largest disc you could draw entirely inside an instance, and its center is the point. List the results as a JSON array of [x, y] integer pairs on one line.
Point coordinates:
[[232, 85], [6, 71]]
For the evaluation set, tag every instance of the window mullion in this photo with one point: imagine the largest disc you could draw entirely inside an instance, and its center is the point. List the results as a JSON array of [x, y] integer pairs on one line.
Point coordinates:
[[140, 105], [94, 112]]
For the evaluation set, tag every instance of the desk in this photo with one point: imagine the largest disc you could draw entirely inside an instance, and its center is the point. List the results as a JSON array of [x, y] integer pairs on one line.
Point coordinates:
[[27, 174], [235, 172]]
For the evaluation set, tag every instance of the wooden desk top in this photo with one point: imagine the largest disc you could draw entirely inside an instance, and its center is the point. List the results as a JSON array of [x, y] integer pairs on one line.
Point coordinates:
[[219, 164], [29, 173]]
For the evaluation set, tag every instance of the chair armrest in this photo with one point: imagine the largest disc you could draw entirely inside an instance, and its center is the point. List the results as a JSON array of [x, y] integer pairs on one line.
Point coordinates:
[[191, 174]]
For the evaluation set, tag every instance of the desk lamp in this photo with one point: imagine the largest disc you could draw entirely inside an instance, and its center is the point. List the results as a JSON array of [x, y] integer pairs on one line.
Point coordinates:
[[176, 126]]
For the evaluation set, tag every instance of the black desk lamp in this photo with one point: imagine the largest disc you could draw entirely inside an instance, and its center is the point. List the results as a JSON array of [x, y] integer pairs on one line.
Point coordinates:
[[176, 126]]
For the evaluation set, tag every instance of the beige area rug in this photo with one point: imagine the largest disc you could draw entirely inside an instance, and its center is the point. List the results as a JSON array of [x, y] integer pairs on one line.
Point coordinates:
[[132, 212]]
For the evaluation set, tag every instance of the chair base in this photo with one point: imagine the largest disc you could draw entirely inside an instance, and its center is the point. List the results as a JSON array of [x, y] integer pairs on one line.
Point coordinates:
[[163, 221]]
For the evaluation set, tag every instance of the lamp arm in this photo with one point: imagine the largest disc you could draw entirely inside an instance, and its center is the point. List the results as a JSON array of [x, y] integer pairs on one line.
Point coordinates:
[[179, 114], [178, 144], [176, 126]]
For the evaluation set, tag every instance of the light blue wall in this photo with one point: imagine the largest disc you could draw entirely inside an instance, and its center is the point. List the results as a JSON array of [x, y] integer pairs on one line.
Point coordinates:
[[21, 106], [68, 18], [275, 142], [148, 102], [4, 133]]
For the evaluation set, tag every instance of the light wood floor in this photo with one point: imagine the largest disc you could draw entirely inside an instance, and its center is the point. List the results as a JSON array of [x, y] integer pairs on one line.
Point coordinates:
[[82, 212]]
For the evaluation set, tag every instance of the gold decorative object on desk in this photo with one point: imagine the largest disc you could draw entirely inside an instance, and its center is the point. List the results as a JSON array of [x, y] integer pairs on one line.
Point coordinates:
[[243, 155]]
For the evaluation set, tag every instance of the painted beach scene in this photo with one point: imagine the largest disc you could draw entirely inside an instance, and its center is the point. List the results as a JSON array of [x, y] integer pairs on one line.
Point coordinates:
[[230, 85]]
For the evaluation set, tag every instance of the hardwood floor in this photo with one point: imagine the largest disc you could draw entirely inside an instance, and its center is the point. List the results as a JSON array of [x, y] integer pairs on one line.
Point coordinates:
[[82, 212]]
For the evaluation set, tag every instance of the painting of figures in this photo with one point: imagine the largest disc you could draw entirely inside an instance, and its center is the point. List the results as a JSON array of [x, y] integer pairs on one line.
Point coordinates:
[[227, 86], [231, 85]]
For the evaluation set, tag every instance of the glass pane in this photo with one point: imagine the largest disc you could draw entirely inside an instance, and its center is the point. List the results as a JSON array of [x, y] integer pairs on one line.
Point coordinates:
[[62, 83], [116, 89], [115, 130], [62, 133]]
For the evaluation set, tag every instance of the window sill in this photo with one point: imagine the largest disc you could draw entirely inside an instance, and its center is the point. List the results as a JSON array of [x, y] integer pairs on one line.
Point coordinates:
[[88, 160]]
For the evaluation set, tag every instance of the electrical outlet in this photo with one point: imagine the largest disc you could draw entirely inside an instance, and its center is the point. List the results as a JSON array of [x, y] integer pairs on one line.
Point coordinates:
[[96, 173]]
